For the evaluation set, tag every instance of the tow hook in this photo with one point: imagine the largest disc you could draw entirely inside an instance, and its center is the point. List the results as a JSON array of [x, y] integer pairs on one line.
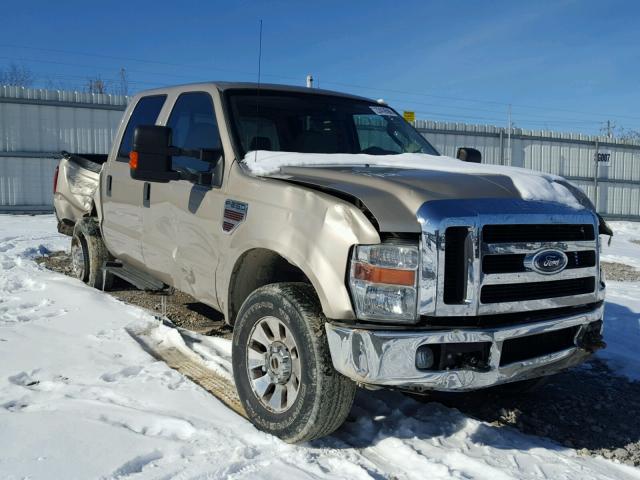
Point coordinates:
[[591, 338]]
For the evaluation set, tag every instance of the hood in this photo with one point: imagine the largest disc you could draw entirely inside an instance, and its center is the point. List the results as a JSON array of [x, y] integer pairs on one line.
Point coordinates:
[[393, 193]]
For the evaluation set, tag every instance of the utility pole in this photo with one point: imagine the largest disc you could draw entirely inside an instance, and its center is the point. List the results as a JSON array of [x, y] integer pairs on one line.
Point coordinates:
[[509, 135], [124, 83], [595, 176], [309, 81], [608, 129]]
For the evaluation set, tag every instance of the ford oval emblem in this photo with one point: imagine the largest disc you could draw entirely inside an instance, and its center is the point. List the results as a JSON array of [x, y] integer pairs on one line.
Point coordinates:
[[547, 262]]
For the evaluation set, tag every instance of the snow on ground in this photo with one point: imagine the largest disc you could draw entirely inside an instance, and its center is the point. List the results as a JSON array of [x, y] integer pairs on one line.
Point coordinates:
[[80, 399], [623, 249], [622, 328]]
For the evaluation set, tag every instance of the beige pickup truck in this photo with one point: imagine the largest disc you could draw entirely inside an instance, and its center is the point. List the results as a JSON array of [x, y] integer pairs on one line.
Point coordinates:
[[341, 247]]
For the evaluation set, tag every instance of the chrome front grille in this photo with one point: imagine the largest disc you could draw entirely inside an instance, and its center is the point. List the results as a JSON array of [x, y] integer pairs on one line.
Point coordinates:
[[477, 257], [522, 289]]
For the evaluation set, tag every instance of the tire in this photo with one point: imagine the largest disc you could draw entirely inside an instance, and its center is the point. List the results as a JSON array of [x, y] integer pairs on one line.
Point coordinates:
[[88, 254], [315, 404]]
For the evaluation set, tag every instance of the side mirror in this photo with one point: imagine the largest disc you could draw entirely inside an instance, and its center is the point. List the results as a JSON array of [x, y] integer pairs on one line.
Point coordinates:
[[469, 155], [150, 159]]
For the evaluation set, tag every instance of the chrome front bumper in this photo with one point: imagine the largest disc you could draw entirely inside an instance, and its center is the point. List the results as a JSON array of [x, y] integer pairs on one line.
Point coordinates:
[[387, 357]]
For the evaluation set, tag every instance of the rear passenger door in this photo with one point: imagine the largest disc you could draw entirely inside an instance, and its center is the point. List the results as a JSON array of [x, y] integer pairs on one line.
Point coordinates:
[[122, 196], [193, 245]]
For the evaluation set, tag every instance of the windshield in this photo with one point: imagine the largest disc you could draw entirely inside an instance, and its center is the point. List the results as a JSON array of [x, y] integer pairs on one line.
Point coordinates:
[[312, 123]]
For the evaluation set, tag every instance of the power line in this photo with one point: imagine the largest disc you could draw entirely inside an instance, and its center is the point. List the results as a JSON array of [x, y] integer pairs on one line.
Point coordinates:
[[348, 85], [460, 99], [85, 65], [115, 80], [199, 67], [458, 107], [527, 118]]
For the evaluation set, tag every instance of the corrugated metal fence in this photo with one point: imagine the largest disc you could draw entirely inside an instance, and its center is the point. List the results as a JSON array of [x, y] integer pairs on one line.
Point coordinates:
[[37, 124]]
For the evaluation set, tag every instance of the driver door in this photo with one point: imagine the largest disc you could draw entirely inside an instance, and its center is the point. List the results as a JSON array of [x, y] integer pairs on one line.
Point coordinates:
[[184, 218]]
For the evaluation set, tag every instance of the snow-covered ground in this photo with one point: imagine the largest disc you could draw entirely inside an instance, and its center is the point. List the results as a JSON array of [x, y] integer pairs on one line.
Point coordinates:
[[622, 327], [80, 399], [623, 249]]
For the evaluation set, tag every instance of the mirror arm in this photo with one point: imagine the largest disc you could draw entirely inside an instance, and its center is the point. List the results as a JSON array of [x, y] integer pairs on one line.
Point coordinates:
[[201, 153], [205, 178], [200, 178]]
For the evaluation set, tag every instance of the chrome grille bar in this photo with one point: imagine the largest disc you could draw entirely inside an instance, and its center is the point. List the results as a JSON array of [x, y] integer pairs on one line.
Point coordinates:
[[530, 277], [436, 216], [516, 248]]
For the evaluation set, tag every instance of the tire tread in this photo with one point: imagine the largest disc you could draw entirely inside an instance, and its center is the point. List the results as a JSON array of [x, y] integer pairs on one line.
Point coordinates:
[[88, 228], [335, 391]]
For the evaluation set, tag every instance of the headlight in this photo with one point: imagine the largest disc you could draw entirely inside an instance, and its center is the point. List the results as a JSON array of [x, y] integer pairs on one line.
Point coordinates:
[[383, 282]]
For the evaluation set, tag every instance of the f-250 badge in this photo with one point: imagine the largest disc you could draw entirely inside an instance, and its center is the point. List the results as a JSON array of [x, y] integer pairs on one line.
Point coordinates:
[[234, 215]]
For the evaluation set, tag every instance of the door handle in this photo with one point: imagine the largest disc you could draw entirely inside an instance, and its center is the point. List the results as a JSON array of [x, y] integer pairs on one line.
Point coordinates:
[[146, 197], [109, 181]]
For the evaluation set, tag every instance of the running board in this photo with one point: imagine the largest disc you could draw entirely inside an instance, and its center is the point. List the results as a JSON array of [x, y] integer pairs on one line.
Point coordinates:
[[137, 278]]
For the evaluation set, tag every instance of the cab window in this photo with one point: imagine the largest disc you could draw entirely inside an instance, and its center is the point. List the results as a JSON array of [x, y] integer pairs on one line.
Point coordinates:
[[318, 123], [145, 112], [373, 134], [194, 127]]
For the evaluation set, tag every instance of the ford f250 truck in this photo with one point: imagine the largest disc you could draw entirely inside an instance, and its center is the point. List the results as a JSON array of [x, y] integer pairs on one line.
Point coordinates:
[[340, 246]]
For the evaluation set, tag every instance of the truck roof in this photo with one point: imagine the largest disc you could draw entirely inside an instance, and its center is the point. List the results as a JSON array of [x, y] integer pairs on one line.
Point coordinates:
[[222, 86]]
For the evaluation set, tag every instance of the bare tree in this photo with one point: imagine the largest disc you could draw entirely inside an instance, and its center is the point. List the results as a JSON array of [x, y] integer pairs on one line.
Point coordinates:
[[633, 135], [96, 85], [613, 130], [16, 76], [51, 84]]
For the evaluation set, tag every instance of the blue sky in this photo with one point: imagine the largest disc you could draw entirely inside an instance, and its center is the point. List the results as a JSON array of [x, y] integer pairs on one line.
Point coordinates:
[[563, 65]]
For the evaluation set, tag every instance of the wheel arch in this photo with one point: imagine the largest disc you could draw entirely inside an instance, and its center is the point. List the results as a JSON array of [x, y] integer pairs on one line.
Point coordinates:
[[311, 231], [255, 268]]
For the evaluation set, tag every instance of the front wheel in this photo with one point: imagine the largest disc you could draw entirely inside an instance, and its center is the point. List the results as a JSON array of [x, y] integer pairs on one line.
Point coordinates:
[[282, 366]]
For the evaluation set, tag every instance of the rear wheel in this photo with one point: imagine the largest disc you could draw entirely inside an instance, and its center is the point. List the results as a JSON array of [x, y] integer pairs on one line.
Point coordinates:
[[282, 366], [88, 254], [80, 258]]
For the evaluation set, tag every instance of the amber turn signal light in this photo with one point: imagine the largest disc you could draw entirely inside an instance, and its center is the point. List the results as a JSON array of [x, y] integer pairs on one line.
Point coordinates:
[[390, 276], [133, 160]]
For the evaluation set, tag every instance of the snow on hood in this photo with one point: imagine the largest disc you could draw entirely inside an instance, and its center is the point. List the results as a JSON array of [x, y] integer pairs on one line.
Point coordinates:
[[532, 185]]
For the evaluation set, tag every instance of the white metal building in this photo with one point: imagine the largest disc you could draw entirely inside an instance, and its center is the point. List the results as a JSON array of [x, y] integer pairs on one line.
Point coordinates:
[[35, 125]]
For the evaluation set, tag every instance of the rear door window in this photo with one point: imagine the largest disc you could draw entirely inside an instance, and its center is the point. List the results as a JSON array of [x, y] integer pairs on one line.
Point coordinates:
[[145, 112]]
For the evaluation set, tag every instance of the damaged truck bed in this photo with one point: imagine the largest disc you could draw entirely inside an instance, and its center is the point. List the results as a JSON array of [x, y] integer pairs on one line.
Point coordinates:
[[75, 182]]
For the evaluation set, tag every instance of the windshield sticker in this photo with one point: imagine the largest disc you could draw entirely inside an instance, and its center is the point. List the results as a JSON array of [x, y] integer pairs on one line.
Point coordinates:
[[384, 111]]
